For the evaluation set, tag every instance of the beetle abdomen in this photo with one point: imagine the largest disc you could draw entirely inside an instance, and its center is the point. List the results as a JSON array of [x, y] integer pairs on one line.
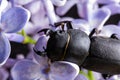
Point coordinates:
[[104, 55]]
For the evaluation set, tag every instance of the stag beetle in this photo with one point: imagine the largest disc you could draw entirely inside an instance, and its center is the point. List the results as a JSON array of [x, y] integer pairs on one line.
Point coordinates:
[[68, 45], [100, 54]]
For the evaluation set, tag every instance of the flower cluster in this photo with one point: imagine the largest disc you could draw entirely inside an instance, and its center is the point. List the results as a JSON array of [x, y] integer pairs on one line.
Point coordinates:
[[20, 20]]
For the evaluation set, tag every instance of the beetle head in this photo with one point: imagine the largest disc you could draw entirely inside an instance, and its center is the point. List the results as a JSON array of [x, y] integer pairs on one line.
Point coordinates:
[[58, 41]]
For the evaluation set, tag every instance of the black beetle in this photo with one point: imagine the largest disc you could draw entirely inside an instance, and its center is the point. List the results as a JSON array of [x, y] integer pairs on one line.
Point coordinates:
[[100, 54], [104, 55], [68, 45]]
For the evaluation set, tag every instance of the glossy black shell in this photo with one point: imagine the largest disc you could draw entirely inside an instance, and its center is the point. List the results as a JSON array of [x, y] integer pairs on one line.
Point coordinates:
[[77, 49], [104, 55]]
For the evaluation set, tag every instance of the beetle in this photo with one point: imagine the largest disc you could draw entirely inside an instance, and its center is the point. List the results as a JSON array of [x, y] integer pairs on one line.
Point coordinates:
[[97, 53], [68, 45]]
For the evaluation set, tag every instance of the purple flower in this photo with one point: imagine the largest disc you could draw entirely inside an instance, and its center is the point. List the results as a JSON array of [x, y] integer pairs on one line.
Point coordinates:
[[39, 68], [30, 70], [12, 20], [59, 2], [3, 74], [97, 20]]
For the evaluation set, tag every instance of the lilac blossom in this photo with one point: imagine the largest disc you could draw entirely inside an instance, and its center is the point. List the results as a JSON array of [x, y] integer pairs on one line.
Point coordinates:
[[28, 69], [86, 7], [108, 1], [15, 37], [40, 67], [50, 11], [114, 7], [37, 67], [22, 2], [12, 21], [80, 77], [39, 19], [97, 20], [3, 74], [59, 2]]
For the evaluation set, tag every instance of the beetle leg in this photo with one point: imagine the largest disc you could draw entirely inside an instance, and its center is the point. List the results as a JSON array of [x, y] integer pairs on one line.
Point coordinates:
[[69, 25], [106, 76], [40, 53], [114, 36], [62, 23], [46, 31], [94, 31]]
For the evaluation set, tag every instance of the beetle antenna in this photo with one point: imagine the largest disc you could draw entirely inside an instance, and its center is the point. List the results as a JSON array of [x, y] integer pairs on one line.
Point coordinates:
[[46, 31]]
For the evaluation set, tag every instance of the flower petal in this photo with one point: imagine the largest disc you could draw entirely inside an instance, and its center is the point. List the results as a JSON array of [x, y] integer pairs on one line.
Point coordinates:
[[80, 77], [10, 62], [41, 43], [114, 8], [108, 1], [26, 70], [114, 77], [50, 11], [15, 37], [39, 46], [66, 19], [99, 17], [22, 2], [3, 4], [58, 2], [4, 49], [3, 74], [40, 60], [81, 24], [64, 9], [14, 19], [63, 71], [34, 6], [29, 28], [108, 30], [86, 8]]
